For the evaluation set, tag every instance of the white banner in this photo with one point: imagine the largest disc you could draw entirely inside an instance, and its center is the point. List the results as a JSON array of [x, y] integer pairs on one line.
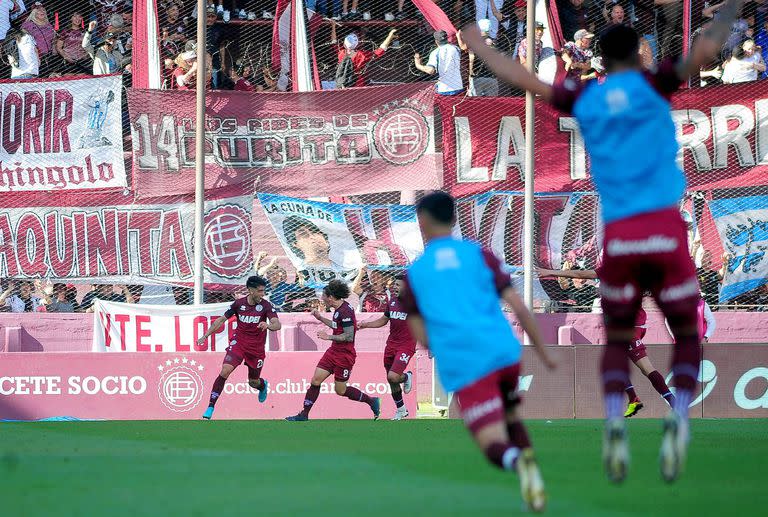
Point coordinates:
[[62, 135], [131, 244], [126, 327]]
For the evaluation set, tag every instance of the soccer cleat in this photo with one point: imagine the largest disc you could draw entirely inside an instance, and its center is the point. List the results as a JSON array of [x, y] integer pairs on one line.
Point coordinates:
[[615, 450], [674, 445], [401, 413], [633, 408], [531, 483], [297, 418], [376, 407], [408, 382], [208, 413], [264, 391]]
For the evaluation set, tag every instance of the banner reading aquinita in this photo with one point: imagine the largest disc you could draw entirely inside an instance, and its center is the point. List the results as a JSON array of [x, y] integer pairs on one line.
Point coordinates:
[[336, 142], [127, 327], [61, 134], [330, 240], [127, 244]]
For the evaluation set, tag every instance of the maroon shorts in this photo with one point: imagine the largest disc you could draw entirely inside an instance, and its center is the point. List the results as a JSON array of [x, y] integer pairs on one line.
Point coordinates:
[[647, 252], [397, 356], [254, 359], [636, 351], [339, 361], [486, 400]]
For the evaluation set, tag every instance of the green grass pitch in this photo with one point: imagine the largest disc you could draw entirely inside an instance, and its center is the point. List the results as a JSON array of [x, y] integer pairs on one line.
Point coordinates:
[[351, 468]]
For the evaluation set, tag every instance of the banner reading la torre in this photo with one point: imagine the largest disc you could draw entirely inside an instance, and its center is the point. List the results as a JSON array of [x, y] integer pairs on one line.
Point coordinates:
[[722, 131], [351, 141], [61, 134], [127, 243]]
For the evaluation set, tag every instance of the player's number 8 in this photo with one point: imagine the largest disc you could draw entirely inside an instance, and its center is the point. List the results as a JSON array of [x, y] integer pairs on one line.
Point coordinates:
[[346, 373]]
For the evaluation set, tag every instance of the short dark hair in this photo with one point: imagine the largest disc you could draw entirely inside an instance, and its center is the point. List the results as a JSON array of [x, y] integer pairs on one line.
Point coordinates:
[[400, 276], [440, 206], [293, 223], [337, 288], [256, 281], [440, 37], [619, 44]]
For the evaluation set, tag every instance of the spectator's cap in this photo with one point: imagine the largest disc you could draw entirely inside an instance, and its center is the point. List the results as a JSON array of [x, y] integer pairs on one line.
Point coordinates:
[[581, 34], [441, 37], [110, 36], [37, 4], [211, 10], [190, 45], [351, 41], [189, 55], [539, 25], [484, 25], [521, 4]]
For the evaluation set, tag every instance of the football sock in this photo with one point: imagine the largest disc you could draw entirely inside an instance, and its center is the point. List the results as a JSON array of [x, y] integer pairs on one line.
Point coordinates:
[[631, 392], [502, 455], [355, 394], [309, 399], [218, 386], [397, 396]]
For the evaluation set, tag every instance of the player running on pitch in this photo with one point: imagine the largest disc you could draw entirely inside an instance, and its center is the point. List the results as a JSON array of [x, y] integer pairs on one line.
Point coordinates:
[[630, 137], [399, 349], [255, 316], [636, 352], [340, 357], [451, 295]]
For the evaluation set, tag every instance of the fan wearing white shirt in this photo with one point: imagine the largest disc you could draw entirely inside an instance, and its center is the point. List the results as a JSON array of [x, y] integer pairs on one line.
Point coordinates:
[[745, 64], [445, 60]]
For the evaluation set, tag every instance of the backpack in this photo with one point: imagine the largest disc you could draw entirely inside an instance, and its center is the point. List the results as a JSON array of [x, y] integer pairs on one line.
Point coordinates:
[[345, 73]]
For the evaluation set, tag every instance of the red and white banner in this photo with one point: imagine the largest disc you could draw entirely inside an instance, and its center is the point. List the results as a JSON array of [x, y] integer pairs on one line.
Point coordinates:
[[723, 133], [127, 327], [61, 134], [128, 243], [176, 387], [304, 144]]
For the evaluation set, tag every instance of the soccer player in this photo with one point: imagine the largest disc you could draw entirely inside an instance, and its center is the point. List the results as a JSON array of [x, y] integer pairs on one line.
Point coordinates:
[[340, 357], [636, 351], [255, 316], [399, 349], [630, 137], [451, 294]]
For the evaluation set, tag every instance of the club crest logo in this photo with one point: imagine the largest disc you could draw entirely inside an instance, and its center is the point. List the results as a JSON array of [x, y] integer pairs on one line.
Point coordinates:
[[180, 387], [227, 237]]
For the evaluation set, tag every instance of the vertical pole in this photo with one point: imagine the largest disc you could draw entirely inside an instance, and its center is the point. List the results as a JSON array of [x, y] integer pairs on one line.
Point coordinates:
[[200, 148], [529, 164]]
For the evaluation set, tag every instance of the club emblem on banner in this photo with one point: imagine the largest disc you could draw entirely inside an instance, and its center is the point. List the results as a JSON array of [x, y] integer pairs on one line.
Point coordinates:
[[227, 237], [180, 387], [401, 135]]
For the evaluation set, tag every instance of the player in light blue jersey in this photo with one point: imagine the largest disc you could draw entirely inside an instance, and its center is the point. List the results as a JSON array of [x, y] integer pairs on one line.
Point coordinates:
[[630, 137], [452, 296]]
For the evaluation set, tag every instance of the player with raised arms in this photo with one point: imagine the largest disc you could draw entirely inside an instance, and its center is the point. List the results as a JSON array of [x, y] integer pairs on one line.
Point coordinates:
[[255, 316], [399, 349], [340, 356], [630, 136], [452, 296]]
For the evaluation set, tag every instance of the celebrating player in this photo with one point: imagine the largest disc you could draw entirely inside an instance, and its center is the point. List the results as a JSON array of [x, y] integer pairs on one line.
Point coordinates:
[[340, 357], [630, 136], [400, 347], [476, 353], [636, 351], [255, 315]]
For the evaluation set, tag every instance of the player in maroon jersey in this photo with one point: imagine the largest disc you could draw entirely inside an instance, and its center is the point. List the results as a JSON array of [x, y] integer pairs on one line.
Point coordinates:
[[400, 347], [340, 357], [255, 315], [636, 352]]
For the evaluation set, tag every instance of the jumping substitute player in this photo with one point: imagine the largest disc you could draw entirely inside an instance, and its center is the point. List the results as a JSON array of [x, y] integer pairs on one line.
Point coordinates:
[[636, 352], [451, 295], [399, 349], [630, 137], [255, 315], [340, 357]]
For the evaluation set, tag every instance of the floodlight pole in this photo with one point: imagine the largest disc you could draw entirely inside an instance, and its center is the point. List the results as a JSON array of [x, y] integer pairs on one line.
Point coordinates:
[[529, 163], [200, 147]]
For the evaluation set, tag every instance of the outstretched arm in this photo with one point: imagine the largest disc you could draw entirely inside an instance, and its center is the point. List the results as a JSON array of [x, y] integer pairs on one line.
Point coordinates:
[[710, 42], [374, 324], [587, 274], [506, 68]]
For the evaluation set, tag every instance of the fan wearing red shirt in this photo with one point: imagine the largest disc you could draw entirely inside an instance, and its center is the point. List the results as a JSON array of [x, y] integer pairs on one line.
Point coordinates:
[[360, 58], [401, 346], [340, 357], [255, 316]]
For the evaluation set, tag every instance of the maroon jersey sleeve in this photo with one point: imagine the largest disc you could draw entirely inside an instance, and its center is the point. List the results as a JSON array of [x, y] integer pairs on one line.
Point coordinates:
[[665, 79], [564, 95], [500, 279], [346, 316], [231, 311], [269, 309], [407, 299]]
